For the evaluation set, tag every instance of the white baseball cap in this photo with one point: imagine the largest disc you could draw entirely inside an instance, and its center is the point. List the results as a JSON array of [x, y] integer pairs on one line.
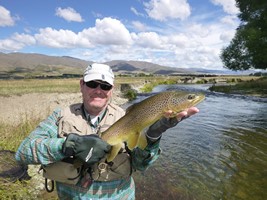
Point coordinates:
[[98, 71]]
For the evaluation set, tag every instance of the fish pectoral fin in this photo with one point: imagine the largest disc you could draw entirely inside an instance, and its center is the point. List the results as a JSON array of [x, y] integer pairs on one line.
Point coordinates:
[[142, 142], [114, 152], [132, 140]]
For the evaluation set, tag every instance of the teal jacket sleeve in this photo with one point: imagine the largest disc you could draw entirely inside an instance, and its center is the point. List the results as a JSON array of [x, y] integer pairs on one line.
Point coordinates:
[[142, 159], [42, 146]]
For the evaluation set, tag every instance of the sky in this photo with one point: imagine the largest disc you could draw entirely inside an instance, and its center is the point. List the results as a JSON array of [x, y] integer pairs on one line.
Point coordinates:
[[174, 33]]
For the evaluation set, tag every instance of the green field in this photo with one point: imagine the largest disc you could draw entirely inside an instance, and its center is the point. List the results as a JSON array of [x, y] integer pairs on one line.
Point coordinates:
[[71, 85]]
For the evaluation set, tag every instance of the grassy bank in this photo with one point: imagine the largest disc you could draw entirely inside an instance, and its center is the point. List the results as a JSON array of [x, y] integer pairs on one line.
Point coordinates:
[[149, 86], [253, 87], [10, 138], [12, 135], [70, 85]]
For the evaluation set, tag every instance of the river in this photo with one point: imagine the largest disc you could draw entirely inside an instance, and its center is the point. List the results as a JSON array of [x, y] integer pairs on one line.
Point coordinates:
[[220, 153]]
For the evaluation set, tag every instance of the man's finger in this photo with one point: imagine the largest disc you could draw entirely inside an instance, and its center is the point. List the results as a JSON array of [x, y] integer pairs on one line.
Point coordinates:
[[181, 115], [191, 111], [187, 113]]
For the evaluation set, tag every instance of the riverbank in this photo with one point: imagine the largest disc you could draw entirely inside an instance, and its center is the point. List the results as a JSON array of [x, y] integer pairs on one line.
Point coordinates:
[[18, 108], [253, 87]]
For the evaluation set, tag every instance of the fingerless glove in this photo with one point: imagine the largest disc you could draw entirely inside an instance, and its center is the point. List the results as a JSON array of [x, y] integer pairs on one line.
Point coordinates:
[[155, 130], [88, 148]]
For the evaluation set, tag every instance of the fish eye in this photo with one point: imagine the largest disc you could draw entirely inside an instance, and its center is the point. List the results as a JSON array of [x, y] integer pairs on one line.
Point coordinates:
[[191, 96]]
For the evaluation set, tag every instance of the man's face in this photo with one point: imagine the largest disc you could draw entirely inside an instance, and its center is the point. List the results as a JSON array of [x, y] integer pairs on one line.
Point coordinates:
[[95, 99]]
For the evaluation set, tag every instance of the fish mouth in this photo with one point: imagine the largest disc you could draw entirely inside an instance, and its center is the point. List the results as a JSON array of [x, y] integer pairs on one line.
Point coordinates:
[[198, 98]]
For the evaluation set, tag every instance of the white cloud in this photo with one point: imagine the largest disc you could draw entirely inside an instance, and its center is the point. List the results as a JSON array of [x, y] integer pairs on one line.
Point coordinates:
[[227, 36], [5, 17], [108, 31], [24, 38], [56, 38], [136, 12], [180, 40], [69, 14], [10, 45], [167, 9], [16, 42], [149, 40], [198, 29], [230, 19], [198, 45], [139, 26], [229, 6]]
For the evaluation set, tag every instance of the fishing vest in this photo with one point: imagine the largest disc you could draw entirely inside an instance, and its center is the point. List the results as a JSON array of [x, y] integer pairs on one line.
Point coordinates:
[[73, 120]]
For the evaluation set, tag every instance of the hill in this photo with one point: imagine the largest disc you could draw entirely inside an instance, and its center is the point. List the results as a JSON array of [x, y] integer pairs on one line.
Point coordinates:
[[122, 66], [20, 65], [24, 64]]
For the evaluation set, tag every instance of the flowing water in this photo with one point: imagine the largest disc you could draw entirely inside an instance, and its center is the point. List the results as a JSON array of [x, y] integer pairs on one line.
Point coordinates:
[[220, 153]]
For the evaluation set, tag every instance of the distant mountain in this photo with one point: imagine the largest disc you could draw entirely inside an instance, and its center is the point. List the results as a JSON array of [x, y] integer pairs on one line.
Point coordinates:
[[39, 65], [31, 64], [122, 66]]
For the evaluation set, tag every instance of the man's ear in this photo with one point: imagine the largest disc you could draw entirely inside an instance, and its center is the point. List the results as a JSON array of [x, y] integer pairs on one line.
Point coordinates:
[[81, 84]]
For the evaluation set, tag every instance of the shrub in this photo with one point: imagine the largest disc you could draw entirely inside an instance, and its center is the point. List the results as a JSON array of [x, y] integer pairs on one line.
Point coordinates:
[[130, 94]]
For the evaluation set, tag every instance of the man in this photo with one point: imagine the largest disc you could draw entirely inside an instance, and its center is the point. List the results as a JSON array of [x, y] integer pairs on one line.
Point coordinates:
[[68, 143]]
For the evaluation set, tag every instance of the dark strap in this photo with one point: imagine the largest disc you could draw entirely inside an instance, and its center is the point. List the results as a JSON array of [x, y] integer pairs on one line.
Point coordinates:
[[49, 189], [130, 154]]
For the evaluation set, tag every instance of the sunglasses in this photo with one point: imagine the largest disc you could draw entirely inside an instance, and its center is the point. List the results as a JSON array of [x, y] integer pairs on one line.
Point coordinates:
[[94, 84]]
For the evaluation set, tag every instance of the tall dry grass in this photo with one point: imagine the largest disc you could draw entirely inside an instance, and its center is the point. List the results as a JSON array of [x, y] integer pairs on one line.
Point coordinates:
[[10, 138]]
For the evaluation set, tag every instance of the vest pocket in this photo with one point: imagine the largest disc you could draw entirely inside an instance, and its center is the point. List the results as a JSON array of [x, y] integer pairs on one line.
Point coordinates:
[[119, 169], [69, 125], [62, 172]]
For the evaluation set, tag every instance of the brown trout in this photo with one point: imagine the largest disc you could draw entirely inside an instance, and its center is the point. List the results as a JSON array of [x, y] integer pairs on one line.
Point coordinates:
[[143, 114]]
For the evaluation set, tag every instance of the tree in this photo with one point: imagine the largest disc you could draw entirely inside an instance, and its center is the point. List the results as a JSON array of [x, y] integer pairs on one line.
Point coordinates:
[[248, 48], [236, 56]]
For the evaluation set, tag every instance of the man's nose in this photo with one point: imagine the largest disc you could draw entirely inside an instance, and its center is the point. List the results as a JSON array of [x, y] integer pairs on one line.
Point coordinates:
[[98, 88]]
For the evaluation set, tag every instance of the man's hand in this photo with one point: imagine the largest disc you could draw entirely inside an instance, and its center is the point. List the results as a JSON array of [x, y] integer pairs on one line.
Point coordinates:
[[169, 120], [88, 148]]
